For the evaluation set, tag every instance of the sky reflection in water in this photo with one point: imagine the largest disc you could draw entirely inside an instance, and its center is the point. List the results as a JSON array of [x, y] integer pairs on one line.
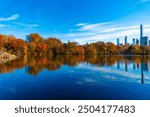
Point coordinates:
[[76, 77]]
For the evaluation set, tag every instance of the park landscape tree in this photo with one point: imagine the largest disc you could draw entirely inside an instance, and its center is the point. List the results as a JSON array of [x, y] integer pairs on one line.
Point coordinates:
[[36, 45]]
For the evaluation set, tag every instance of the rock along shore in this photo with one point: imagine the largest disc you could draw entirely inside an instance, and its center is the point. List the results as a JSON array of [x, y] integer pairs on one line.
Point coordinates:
[[4, 57]]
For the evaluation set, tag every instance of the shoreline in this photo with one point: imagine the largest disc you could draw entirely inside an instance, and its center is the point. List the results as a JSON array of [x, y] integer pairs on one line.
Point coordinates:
[[5, 57]]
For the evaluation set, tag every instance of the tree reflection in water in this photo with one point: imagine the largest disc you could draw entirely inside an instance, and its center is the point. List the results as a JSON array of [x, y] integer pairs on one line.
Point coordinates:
[[35, 65]]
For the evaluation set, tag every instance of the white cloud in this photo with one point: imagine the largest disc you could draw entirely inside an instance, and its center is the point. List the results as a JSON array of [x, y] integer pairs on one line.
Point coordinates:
[[107, 31], [143, 1], [81, 24], [27, 25], [13, 17], [140, 2], [87, 27], [111, 71], [3, 25]]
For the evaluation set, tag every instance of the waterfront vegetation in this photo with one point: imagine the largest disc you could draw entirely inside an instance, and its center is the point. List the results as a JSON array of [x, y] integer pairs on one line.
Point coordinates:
[[38, 46]]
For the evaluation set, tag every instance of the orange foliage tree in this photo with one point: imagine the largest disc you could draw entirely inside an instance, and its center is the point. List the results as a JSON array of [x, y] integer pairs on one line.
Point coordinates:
[[111, 47], [80, 50], [54, 44], [35, 37]]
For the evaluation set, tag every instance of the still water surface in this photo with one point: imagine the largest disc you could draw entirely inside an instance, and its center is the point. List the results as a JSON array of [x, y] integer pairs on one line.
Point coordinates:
[[76, 77]]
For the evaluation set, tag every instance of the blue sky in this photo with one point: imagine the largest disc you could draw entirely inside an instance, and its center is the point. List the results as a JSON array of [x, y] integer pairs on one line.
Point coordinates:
[[75, 20]]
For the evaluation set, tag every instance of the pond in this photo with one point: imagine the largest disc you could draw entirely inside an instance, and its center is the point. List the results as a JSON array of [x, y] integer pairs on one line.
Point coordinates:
[[76, 78]]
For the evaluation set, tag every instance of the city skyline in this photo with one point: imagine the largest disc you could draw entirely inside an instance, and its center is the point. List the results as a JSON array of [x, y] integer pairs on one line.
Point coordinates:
[[76, 20], [142, 41]]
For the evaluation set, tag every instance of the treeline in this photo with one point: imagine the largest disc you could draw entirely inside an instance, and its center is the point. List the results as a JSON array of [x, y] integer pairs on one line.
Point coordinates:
[[38, 46]]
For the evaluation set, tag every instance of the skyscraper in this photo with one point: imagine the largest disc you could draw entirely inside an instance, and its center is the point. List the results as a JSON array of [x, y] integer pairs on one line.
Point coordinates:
[[141, 31], [137, 42], [133, 41], [118, 42], [144, 41], [126, 40]]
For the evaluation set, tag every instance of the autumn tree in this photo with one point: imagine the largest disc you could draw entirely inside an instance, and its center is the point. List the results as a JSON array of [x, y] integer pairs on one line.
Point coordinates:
[[134, 49], [55, 45], [90, 49], [17, 46], [1, 42], [111, 48], [70, 48], [4, 39], [35, 37], [80, 50], [41, 49], [145, 50], [32, 48], [100, 47]]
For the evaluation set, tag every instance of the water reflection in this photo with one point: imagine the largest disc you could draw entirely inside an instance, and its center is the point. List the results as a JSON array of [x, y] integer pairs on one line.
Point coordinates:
[[144, 68], [34, 65]]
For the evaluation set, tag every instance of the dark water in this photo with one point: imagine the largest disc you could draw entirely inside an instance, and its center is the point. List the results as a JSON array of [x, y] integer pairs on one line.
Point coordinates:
[[76, 77]]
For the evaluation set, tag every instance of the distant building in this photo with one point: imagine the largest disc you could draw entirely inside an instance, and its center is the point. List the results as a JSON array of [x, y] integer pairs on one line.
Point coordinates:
[[141, 31], [28, 38], [118, 42], [144, 41], [126, 40], [137, 42], [121, 44], [134, 42]]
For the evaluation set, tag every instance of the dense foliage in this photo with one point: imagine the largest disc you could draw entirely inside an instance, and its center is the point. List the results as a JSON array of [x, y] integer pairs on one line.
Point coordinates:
[[38, 46]]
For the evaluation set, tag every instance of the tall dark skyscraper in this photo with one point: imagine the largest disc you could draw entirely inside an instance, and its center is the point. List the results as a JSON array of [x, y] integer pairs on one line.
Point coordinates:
[[118, 42], [126, 40], [141, 31], [144, 41], [137, 42], [133, 41]]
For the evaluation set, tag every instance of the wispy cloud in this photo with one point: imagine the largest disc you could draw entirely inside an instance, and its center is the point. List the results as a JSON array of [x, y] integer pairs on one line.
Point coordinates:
[[3, 25], [105, 31], [143, 1], [140, 2], [111, 71], [81, 24], [13, 17], [87, 26], [27, 25]]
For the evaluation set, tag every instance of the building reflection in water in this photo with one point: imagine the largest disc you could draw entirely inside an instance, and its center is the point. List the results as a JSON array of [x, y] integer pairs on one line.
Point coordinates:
[[34, 65], [143, 64], [126, 66], [134, 66], [118, 65], [144, 68], [142, 76]]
